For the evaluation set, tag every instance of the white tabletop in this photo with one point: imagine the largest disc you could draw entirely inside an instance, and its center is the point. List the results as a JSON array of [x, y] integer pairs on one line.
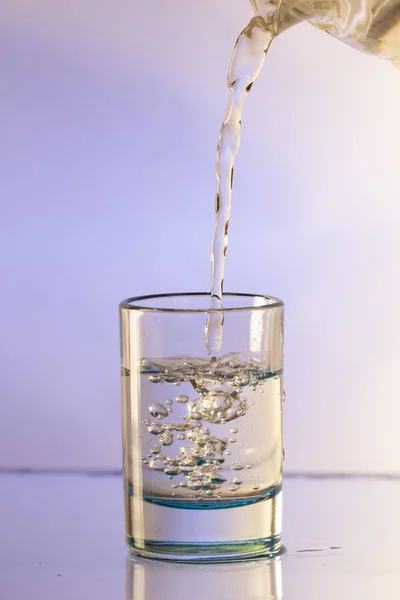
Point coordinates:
[[61, 537]]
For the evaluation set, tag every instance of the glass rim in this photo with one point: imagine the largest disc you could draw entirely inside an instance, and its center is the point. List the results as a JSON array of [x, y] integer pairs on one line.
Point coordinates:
[[271, 302]]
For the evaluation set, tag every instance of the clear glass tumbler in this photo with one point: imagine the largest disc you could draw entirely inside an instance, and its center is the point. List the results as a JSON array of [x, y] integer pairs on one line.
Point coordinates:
[[202, 433]]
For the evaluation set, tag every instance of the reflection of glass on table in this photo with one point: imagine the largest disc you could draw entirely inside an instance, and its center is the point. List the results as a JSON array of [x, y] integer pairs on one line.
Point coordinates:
[[156, 580]]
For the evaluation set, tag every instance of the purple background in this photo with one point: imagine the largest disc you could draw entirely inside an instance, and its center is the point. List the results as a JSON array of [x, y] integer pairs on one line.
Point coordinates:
[[109, 117]]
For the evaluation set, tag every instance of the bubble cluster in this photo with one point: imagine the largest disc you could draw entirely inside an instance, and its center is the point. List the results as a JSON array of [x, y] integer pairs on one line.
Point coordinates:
[[166, 438], [217, 399]]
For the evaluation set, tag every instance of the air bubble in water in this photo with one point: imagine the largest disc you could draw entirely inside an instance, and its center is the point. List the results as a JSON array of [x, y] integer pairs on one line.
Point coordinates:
[[157, 464], [237, 481], [233, 430], [169, 402], [216, 479], [155, 379], [248, 466], [237, 467], [236, 411], [171, 471], [177, 426], [156, 450], [199, 435], [241, 380], [232, 440], [182, 399], [193, 414], [194, 485], [256, 487], [181, 437], [188, 453], [155, 428], [216, 445], [158, 410], [166, 438], [195, 475]]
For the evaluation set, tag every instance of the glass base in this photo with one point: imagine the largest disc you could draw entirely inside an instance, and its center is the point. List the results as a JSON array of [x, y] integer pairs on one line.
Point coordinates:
[[210, 553], [224, 535]]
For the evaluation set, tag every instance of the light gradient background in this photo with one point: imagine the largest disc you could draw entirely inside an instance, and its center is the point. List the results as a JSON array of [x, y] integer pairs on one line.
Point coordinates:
[[109, 115]]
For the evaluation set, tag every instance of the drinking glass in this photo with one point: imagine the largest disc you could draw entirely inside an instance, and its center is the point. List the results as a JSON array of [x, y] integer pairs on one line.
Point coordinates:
[[202, 432]]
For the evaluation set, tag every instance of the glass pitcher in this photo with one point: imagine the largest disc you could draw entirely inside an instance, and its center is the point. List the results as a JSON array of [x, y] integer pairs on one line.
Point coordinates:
[[372, 26]]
